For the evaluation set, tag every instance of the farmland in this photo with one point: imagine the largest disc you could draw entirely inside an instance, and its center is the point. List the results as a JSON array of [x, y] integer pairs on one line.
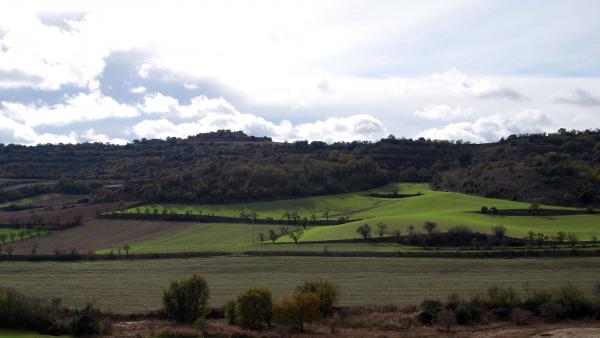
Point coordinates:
[[447, 209], [136, 286]]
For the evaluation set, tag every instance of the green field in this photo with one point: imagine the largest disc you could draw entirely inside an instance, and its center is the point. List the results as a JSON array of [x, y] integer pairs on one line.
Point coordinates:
[[447, 209], [25, 334], [136, 286], [30, 200], [7, 232]]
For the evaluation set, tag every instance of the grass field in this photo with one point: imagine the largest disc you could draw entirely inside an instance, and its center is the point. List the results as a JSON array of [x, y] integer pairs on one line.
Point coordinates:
[[31, 200], [7, 232], [136, 286], [25, 334], [445, 208]]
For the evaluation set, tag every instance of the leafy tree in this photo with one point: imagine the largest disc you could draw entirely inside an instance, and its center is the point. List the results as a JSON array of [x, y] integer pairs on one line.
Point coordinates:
[[560, 237], [365, 231], [531, 235], [381, 229], [302, 308], [296, 235], [572, 238], [230, 311], [594, 240], [261, 236], [484, 210], [3, 238], [12, 236], [126, 248], [187, 300], [326, 291], [254, 307]]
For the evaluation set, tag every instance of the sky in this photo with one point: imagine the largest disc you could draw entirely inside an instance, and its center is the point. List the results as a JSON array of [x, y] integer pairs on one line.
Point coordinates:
[[115, 71]]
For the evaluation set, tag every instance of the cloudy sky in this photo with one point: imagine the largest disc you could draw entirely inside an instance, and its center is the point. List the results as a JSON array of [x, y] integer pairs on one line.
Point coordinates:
[[318, 70]]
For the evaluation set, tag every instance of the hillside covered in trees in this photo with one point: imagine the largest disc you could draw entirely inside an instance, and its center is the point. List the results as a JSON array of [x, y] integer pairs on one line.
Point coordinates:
[[224, 166]]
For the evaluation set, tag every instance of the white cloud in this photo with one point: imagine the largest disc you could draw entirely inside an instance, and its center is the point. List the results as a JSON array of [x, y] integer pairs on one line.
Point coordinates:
[[580, 97], [482, 88], [90, 135], [443, 113], [81, 107], [158, 103], [138, 90], [492, 128], [199, 106], [336, 129], [15, 132]]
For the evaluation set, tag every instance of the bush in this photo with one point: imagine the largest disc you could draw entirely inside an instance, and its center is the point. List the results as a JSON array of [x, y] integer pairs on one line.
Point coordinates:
[[462, 315], [230, 312], [502, 301], [573, 302], [550, 311], [302, 308], [334, 322], [533, 302], [186, 300], [86, 322], [446, 318], [325, 290], [520, 316], [255, 307], [20, 312], [429, 310]]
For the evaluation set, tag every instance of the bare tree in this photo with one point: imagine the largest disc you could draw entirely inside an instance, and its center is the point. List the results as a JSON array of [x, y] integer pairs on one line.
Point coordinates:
[[261, 236], [364, 230], [430, 227], [272, 235], [326, 214], [381, 229]]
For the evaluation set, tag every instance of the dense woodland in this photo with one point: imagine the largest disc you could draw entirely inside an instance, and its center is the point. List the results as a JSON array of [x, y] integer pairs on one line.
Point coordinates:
[[224, 166]]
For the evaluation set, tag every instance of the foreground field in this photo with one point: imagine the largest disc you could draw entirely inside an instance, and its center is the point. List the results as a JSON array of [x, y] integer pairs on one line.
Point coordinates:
[[447, 209], [136, 286]]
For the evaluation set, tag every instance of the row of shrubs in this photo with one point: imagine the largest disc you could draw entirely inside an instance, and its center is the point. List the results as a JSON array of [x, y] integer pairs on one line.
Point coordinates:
[[187, 302], [18, 311], [566, 302]]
